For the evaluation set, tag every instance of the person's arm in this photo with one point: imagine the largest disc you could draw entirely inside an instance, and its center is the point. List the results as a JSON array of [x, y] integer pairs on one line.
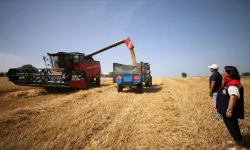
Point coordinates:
[[212, 85], [232, 102], [234, 93]]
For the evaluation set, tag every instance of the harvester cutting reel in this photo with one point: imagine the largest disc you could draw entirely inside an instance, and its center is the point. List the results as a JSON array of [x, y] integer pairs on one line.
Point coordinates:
[[44, 75]]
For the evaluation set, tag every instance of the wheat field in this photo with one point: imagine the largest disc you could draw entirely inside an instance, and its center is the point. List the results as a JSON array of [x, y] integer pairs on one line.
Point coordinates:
[[175, 113]]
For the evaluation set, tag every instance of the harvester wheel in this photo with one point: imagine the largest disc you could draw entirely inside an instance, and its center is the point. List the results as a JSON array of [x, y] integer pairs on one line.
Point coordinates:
[[88, 80], [119, 88], [98, 82]]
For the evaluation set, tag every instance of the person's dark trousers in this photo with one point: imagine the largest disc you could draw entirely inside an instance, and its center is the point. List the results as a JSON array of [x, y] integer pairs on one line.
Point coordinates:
[[233, 127]]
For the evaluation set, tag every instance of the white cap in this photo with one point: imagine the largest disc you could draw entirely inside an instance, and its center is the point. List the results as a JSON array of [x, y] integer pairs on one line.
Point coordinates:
[[213, 66]]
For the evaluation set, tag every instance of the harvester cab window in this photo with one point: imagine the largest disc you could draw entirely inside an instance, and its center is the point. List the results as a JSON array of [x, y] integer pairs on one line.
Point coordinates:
[[57, 61], [81, 57], [67, 62], [54, 60], [76, 58], [61, 60]]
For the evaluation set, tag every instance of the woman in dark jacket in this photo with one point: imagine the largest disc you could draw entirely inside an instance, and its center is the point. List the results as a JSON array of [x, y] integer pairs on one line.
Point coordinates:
[[231, 103]]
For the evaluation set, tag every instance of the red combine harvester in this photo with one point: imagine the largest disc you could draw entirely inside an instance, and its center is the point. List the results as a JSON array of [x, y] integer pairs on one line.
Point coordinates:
[[67, 69]]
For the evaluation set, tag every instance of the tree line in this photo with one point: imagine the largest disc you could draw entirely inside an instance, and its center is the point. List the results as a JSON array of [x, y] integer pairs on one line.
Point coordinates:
[[110, 74]]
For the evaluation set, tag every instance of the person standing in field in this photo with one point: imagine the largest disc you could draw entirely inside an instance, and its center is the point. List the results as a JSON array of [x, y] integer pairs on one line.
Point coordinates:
[[230, 103], [215, 82]]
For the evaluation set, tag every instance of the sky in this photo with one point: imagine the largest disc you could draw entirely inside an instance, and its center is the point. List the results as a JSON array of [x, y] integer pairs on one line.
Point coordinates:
[[173, 36]]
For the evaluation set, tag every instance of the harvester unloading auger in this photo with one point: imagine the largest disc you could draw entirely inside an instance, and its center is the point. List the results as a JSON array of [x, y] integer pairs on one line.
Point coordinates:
[[67, 69]]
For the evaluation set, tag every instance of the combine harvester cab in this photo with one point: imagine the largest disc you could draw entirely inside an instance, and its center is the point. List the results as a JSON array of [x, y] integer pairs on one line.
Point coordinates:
[[132, 76], [73, 70]]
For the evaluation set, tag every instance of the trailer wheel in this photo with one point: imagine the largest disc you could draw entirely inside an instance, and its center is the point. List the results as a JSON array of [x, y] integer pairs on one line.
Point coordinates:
[[150, 81], [140, 88], [98, 82], [119, 88]]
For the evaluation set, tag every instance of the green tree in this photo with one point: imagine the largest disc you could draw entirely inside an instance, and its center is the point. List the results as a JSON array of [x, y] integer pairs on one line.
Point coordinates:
[[2, 74], [111, 74], [29, 67], [184, 74], [246, 74]]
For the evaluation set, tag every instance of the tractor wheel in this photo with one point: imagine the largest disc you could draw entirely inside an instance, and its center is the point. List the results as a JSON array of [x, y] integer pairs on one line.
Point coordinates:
[[98, 82], [140, 88], [119, 88]]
